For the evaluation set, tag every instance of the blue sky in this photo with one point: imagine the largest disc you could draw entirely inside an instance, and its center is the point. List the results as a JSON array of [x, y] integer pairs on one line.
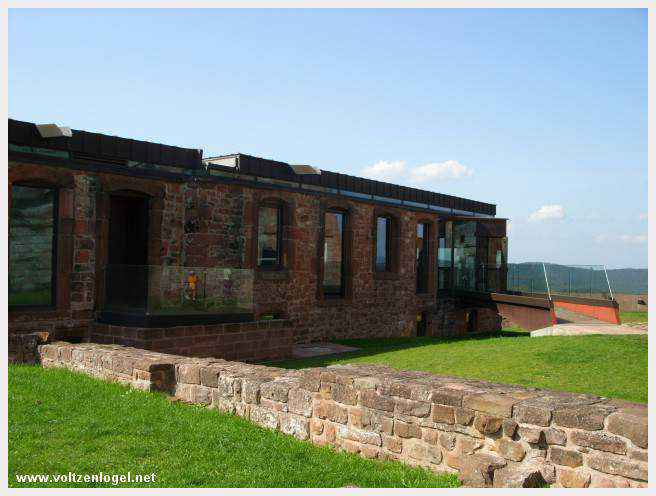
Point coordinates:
[[543, 112]]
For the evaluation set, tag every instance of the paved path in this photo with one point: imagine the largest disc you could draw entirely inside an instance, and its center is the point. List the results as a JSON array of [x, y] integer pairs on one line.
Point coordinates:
[[320, 349], [584, 329]]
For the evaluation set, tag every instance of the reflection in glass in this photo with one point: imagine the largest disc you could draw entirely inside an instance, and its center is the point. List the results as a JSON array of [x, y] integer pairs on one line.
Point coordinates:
[[31, 245], [383, 227], [268, 236], [422, 257], [333, 254]]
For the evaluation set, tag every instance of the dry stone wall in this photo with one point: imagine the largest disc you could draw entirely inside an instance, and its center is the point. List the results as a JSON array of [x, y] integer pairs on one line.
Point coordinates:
[[493, 435]]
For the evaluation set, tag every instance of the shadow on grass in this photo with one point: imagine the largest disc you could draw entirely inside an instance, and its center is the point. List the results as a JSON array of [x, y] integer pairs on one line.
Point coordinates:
[[370, 347]]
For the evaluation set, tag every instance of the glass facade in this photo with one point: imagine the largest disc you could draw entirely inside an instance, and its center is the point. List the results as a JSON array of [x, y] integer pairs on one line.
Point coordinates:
[[32, 231], [269, 233], [464, 255], [333, 254], [444, 255]]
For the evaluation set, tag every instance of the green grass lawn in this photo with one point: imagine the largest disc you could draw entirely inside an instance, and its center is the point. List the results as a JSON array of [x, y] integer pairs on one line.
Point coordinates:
[[613, 366], [62, 422], [626, 317]]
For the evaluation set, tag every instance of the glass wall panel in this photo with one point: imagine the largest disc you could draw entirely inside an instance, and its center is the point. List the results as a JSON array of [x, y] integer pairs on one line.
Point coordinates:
[[464, 255], [31, 246], [383, 228], [333, 254], [444, 255], [423, 233]]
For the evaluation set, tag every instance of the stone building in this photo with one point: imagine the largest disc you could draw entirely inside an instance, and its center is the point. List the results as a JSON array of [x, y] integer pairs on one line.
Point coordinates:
[[115, 240]]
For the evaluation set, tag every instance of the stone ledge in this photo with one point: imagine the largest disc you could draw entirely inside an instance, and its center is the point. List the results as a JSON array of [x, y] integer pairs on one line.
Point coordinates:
[[492, 434]]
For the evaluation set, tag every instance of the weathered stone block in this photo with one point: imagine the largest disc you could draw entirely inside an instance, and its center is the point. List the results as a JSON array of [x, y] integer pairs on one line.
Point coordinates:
[[486, 424], [573, 478], [599, 441], [509, 427], [631, 424], [359, 435], [615, 465], [530, 414], [189, 373], [447, 396], [447, 440], [392, 443], [555, 436], [295, 425], [421, 451], [264, 417], [406, 430], [478, 470], [583, 417], [510, 450], [209, 377], [442, 413], [412, 408], [463, 416], [518, 477], [275, 390], [562, 456], [330, 410], [300, 402], [250, 390], [371, 399], [491, 403], [530, 434]]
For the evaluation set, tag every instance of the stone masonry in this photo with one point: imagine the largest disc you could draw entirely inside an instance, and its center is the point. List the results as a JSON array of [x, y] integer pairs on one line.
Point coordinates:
[[493, 435]]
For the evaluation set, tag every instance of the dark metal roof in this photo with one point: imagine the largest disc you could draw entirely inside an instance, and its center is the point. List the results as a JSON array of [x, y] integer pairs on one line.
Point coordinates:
[[262, 167], [84, 145]]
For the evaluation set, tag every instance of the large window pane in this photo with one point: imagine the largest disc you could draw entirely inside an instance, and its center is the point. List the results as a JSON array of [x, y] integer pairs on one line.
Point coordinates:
[[383, 225], [31, 246], [268, 236], [422, 257], [444, 255], [333, 254], [464, 254]]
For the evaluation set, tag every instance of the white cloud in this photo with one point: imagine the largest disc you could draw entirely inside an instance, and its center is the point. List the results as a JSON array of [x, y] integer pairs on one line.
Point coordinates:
[[546, 212], [398, 172], [442, 171], [385, 171], [628, 239], [633, 240]]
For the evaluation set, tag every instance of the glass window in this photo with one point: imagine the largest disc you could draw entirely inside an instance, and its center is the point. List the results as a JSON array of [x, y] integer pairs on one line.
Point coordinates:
[[31, 246], [464, 254], [333, 254], [444, 255], [422, 257], [383, 232], [269, 236]]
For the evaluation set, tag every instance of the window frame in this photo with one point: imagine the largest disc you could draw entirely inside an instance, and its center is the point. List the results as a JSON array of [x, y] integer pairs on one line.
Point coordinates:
[[56, 190], [280, 224], [426, 248], [343, 272], [393, 244]]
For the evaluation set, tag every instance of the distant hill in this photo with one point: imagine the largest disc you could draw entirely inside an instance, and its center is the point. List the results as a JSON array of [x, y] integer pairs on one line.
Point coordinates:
[[629, 281], [577, 279]]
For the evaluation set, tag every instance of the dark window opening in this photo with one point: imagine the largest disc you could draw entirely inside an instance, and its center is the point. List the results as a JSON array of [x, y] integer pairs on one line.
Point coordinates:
[[471, 318], [333, 254], [422, 243], [383, 244], [32, 246], [127, 271], [422, 319], [269, 237]]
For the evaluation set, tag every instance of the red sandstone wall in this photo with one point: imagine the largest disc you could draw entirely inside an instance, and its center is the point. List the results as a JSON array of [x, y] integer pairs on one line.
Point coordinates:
[[212, 224]]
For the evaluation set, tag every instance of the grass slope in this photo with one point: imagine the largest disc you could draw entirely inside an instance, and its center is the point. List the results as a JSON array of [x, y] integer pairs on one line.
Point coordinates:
[[613, 366], [627, 317], [62, 422]]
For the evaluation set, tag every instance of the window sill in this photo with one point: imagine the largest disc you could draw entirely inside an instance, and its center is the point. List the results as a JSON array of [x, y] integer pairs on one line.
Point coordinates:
[[272, 274], [387, 275]]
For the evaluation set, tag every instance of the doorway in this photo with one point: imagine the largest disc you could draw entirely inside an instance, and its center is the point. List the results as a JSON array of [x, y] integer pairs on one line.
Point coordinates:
[[127, 252]]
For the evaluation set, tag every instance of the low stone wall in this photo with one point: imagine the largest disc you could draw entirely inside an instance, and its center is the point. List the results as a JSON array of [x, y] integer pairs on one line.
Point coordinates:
[[492, 434], [251, 341]]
